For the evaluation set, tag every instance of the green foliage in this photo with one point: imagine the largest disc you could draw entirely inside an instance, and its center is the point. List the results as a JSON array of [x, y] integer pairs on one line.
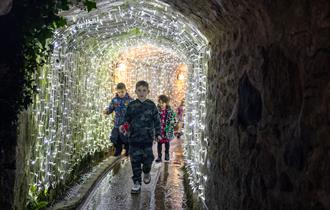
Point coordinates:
[[90, 5], [41, 20], [36, 200], [37, 23], [135, 31], [126, 35]]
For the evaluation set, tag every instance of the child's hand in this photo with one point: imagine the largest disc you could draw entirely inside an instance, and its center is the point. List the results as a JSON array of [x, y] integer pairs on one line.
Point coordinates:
[[121, 129], [124, 128]]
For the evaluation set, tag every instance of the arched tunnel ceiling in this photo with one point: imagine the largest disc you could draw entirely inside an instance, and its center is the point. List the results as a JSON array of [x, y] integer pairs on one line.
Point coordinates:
[[154, 21], [76, 84]]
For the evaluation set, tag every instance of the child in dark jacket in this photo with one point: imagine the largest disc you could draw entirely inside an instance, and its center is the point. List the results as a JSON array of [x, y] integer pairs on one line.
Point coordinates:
[[119, 105], [143, 126], [167, 123]]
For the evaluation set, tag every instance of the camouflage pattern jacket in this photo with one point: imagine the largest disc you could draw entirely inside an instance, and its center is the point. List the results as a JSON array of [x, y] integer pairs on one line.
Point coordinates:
[[119, 105], [143, 120]]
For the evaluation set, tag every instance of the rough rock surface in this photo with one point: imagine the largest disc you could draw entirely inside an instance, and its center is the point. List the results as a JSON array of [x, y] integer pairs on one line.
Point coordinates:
[[5, 6], [271, 59], [275, 153]]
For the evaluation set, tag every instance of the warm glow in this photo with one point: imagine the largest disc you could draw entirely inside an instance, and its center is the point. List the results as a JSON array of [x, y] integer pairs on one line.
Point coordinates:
[[181, 77], [180, 83], [158, 66], [121, 67], [120, 41]]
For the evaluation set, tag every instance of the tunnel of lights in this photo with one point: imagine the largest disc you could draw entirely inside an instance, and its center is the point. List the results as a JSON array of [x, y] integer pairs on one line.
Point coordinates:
[[120, 41]]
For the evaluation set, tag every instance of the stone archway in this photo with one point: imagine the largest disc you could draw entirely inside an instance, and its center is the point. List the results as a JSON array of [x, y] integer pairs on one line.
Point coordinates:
[[249, 37]]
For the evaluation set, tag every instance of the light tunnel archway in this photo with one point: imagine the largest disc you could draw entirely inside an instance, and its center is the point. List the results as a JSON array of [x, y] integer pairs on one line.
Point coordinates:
[[66, 122]]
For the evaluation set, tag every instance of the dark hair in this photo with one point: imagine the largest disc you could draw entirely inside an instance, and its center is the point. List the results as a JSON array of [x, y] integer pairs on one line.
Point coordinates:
[[142, 83], [120, 86], [164, 98], [182, 102]]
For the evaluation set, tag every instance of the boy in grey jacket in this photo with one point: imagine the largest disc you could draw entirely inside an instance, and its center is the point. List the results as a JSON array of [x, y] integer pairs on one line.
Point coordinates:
[[142, 121]]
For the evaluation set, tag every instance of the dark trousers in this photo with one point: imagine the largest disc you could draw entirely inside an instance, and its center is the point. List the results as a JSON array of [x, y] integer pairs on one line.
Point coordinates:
[[141, 160], [118, 139], [159, 148], [119, 148]]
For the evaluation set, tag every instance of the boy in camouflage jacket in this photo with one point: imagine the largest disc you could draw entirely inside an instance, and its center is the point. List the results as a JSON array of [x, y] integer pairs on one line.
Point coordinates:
[[143, 122]]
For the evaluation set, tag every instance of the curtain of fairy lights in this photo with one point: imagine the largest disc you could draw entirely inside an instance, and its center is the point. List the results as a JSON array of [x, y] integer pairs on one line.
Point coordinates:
[[195, 137], [76, 85]]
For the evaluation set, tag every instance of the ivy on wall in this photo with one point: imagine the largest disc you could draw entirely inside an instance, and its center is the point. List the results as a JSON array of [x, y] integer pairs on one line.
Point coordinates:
[[31, 25], [40, 22]]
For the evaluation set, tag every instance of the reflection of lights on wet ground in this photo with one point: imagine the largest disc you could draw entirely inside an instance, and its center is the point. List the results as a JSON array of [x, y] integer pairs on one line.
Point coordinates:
[[77, 82], [170, 190]]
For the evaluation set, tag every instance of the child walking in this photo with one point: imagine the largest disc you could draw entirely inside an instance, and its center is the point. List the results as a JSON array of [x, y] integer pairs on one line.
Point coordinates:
[[143, 126], [119, 105], [167, 123]]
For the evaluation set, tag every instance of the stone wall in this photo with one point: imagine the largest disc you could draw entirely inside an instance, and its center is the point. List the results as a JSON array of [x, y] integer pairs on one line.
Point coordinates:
[[5, 6], [269, 102]]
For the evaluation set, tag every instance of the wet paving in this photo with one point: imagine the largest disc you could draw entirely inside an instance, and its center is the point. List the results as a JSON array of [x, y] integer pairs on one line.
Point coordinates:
[[165, 192], [169, 192]]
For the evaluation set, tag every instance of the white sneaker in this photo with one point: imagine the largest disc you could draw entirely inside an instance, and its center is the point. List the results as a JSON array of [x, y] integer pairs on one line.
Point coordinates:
[[147, 178], [136, 188]]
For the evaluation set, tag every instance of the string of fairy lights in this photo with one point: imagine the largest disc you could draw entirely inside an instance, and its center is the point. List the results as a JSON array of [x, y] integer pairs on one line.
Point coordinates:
[[90, 56]]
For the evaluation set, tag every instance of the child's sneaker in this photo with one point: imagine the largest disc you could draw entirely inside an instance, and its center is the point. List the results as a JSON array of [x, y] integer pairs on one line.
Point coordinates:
[[167, 157], [136, 188], [146, 178], [159, 159]]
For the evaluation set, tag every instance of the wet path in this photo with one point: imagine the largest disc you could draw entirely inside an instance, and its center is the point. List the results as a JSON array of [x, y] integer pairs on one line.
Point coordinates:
[[169, 192], [113, 192]]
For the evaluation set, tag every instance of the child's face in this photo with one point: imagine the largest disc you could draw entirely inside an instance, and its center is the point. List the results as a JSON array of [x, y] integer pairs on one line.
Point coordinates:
[[121, 93], [142, 92], [162, 104]]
